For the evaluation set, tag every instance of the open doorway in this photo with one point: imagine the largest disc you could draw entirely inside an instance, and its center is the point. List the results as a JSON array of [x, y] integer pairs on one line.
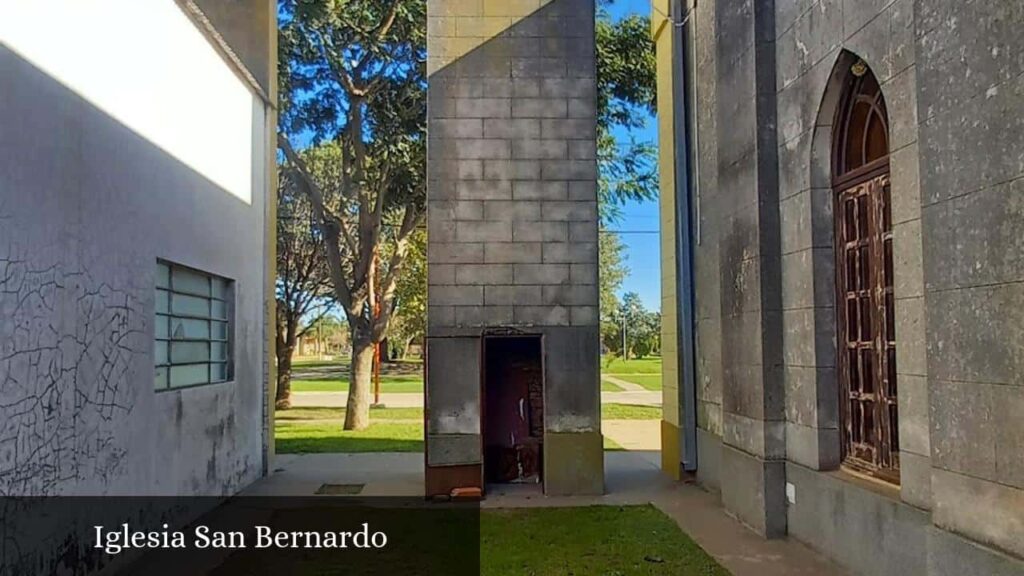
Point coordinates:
[[513, 424]]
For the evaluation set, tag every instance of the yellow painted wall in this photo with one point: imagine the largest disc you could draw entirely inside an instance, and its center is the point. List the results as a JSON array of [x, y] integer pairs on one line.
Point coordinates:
[[661, 29]]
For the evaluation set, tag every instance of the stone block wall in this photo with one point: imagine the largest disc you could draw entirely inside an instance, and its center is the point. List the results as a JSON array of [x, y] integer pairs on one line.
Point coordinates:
[[950, 74], [512, 210]]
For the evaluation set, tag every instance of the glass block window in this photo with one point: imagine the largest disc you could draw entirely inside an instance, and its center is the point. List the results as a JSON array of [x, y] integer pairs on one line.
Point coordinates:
[[193, 327]]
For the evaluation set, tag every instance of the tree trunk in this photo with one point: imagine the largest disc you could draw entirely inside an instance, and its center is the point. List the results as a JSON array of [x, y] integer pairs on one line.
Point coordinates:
[[357, 411], [385, 351], [284, 378]]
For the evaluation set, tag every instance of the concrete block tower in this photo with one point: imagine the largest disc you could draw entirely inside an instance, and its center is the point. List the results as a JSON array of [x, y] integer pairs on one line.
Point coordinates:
[[513, 392]]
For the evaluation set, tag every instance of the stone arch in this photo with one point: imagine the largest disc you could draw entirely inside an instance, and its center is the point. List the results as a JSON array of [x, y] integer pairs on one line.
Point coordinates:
[[903, 192]]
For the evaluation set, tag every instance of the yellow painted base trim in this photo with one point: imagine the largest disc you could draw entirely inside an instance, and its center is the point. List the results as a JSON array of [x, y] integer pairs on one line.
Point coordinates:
[[670, 438]]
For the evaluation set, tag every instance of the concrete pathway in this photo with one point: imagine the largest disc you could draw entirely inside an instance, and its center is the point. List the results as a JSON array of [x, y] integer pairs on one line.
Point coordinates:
[[415, 399], [631, 477], [627, 386], [634, 434]]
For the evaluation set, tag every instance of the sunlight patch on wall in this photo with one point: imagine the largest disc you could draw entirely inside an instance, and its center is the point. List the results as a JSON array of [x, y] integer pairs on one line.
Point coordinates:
[[457, 27], [146, 64]]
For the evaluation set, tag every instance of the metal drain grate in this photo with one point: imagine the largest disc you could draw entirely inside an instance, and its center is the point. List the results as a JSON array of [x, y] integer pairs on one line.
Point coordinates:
[[340, 489]]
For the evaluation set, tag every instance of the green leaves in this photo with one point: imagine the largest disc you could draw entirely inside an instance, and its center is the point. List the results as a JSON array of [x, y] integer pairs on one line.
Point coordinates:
[[626, 99]]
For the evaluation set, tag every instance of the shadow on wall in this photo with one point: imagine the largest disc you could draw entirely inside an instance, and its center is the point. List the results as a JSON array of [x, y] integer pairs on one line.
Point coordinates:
[[86, 205]]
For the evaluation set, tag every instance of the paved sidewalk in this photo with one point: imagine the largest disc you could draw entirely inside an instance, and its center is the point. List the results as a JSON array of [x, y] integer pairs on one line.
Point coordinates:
[[634, 434], [415, 399], [626, 386]]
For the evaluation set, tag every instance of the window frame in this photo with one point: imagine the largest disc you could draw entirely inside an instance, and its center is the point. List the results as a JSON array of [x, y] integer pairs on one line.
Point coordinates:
[[164, 311], [878, 455]]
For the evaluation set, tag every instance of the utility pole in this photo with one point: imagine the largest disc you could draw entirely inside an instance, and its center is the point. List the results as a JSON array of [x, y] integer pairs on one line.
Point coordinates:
[[625, 348]]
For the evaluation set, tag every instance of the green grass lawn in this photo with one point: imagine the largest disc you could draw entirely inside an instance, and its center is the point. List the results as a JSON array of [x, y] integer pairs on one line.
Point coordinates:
[[318, 430], [598, 540], [307, 414], [629, 412], [584, 541], [319, 436], [650, 365]]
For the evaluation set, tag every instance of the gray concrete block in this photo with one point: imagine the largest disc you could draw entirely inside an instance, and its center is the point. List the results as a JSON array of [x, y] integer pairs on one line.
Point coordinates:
[[953, 555], [453, 449], [483, 315], [439, 316], [764, 439], [541, 315], [915, 479], [754, 491], [583, 190], [709, 455], [540, 150], [457, 128], [540, 190], [570, 295], [911, 356], [519, 128], [582, 232], [571, 389], [975, 334], [573, 129], [984, 227], [483, 274], [516, 210], [453, 386], [1009, 406], [864, 529], [456, 295], [569, 211], [483, 107], [441, 274], [576, 252], [963, 429], [583, 273], [511, 170], [954, 157], [483, 231], [908, 267], [512, 253], [481, 149], [454, 253], [567, 88], [984, 511], [584, 316], [513, 295], [541, 274], [539, 108], [540, 231], [913, 413], [483, 190], [906, 184], [569, 170]]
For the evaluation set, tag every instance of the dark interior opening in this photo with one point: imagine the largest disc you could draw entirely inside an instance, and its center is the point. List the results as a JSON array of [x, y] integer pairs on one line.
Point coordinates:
[[513, 389]]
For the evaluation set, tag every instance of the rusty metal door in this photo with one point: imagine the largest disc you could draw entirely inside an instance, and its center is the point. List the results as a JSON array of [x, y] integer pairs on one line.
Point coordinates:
[[513, 409]]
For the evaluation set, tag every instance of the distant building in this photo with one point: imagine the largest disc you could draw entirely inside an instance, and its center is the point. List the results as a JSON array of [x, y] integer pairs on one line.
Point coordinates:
[[136, 161], [843, 273]]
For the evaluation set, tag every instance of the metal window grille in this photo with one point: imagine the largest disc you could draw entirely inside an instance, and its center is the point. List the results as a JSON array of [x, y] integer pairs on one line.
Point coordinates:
[[193, 327]]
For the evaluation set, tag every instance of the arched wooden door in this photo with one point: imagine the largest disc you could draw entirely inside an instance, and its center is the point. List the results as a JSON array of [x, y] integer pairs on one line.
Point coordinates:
[[864, 277]]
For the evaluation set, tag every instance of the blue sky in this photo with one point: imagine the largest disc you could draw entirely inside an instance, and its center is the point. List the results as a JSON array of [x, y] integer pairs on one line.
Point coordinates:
[[643, 250]]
